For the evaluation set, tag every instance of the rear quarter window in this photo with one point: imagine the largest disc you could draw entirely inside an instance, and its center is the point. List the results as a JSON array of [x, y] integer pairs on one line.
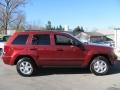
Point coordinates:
[[20, 39]]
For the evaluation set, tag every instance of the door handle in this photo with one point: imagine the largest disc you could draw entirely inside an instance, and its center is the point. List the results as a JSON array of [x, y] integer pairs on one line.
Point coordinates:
[[60, 50], [33, 49]]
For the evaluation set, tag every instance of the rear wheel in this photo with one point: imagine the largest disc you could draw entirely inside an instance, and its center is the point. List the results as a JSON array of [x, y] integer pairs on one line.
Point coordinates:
[[100, 65], [26, 67]]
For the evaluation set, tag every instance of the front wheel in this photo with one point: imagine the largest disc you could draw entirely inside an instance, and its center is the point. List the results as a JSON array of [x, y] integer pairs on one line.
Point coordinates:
[[26, 67], [100, 65]]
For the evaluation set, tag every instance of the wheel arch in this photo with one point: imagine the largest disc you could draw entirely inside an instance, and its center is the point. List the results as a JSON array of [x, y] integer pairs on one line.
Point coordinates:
[[104, 55], [21, 56]]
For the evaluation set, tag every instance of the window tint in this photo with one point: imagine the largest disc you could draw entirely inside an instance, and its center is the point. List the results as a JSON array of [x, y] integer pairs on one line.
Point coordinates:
[[42, 39], [63, 40], [20, 39]]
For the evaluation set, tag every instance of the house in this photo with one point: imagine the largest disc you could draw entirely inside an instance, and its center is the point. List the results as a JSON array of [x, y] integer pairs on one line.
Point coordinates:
[[9, 32], [109, 33], [117, 37], [91, 36]]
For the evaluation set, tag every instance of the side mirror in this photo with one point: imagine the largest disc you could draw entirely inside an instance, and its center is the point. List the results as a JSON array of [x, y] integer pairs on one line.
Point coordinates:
[[81, 46]]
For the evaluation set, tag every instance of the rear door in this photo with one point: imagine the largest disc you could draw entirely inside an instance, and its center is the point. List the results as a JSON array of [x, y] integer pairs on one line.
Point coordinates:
[[41, 44]]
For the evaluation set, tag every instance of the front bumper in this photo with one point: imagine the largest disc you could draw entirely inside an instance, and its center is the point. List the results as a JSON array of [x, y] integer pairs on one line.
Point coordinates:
[[113, 58]]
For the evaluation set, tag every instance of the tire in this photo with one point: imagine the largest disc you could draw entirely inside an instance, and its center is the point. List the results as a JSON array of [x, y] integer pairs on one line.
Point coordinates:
[[100, 66], [26, 67]]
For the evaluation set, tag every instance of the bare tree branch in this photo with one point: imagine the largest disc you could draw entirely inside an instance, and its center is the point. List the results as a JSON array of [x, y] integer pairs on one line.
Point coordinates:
[[1, 4], [9, 10]]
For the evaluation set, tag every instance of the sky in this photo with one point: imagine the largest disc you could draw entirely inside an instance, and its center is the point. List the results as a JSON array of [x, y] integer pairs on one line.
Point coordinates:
[[91, 14]]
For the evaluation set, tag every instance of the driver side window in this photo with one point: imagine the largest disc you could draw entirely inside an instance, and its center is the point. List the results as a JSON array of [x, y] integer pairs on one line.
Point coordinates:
[[63, 40]]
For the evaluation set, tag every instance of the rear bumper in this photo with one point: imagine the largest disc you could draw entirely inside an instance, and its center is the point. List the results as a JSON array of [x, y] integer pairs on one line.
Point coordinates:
[[7, 60]]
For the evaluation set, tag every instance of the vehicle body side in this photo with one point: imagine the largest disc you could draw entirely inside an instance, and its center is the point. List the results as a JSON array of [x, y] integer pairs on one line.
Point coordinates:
[[50, 55]]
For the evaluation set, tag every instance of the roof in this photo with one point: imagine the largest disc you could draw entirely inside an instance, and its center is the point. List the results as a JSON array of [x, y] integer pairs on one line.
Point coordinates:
[[106, 31], [94, 33], [40, 31]]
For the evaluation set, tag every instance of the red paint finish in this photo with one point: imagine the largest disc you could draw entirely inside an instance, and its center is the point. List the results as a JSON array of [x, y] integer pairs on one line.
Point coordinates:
[[77, 54]]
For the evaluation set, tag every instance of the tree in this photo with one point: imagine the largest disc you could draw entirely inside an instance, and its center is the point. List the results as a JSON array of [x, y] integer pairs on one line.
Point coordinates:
[[60, 28], [57, 28], [19, 23], [9, 10], [49, 25], [78, 30]]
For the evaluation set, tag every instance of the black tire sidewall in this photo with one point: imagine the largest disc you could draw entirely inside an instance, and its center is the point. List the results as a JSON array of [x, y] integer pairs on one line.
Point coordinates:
[[27, 60]]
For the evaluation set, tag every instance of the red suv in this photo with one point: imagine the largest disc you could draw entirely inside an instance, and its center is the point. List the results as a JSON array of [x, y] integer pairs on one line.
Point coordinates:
[[28, 50]]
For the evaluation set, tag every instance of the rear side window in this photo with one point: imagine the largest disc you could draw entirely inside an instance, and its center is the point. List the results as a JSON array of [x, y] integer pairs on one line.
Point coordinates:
[[20, 39], [41, 39]]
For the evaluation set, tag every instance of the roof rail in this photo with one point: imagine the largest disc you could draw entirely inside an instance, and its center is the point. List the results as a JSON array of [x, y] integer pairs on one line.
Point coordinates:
[[45, 30]]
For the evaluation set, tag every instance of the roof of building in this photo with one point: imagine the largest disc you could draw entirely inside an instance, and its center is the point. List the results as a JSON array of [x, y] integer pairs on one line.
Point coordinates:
[[94, 33], [106, 31]]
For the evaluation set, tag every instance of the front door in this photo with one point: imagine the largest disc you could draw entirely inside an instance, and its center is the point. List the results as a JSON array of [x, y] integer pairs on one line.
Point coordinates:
[[66, 51]]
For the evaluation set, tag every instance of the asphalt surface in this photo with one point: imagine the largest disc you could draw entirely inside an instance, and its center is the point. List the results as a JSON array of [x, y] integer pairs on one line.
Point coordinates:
[[59, 79]]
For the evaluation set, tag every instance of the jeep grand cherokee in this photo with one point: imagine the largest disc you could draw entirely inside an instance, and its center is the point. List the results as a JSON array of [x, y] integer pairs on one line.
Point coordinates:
[[28, 50]]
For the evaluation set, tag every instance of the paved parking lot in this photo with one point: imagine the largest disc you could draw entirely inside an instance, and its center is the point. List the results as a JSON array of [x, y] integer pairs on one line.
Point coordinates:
[[59, 79]]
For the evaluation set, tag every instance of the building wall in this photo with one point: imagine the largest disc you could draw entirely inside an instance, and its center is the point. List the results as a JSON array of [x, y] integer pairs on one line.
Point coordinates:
[[66, 28], [10, 32], [108, 33], [117, 38], [83, 37], [90, 38], [97, 39]]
